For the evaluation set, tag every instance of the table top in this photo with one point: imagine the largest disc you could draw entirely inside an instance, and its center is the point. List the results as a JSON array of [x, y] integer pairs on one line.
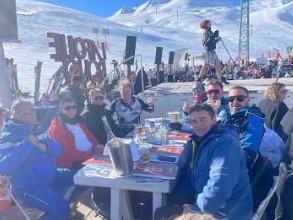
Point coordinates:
[[93, 175], [103, 175]]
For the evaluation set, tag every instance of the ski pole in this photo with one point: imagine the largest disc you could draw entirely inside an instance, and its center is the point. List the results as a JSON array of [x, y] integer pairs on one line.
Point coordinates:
[[227, 51]]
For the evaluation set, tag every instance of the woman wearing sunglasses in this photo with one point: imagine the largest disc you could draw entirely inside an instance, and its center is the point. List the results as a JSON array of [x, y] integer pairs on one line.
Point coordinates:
[[70, 131]]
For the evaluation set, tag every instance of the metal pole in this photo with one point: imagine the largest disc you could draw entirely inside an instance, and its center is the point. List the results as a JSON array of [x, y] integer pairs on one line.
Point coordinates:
[[227, 51], [5, 92]]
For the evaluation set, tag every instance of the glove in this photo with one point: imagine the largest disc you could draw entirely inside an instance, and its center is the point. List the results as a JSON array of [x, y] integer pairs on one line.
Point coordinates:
[[216, 33]]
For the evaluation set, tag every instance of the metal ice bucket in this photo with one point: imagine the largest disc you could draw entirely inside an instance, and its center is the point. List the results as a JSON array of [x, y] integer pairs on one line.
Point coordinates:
[[121, 157]]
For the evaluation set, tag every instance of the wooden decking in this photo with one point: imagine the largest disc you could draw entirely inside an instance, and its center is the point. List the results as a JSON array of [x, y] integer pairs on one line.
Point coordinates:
[[80, 209]]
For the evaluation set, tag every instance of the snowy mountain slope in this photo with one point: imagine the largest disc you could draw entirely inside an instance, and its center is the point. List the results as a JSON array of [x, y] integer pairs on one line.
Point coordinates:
[[171, 24]]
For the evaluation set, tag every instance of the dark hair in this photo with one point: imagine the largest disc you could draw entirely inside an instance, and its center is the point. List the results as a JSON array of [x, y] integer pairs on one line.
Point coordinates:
[[203, 107], [242, 88], [215, 82], [204, 24], [66, 99]]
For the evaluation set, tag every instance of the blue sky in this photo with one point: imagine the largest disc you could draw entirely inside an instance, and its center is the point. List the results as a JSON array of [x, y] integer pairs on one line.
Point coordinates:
[[101, 8]]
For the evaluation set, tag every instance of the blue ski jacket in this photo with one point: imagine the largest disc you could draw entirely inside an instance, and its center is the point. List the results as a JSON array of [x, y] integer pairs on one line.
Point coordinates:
[[218, 174], [25, 164]]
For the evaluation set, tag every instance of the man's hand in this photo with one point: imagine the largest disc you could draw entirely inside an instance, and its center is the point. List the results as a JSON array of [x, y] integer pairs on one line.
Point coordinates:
[[32, 138], [35, 141], [99, 149]]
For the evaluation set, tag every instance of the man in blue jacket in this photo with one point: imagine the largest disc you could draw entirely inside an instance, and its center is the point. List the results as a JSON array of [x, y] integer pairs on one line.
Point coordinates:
[[249, 122], [29, 162], [215, 164]]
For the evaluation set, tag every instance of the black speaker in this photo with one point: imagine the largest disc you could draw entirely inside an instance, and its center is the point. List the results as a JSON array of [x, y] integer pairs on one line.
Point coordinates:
[[130, 49], [159, 52], [171, 57], [8, 22], [186, 56]]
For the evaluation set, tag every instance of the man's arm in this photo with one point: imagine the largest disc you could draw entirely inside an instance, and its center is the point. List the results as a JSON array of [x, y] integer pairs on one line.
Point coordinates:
[[13, 156]]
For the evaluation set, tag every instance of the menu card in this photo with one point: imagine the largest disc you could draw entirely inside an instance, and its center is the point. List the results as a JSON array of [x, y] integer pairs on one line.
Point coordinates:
[[103, 160], [178, 136], [156, 170]]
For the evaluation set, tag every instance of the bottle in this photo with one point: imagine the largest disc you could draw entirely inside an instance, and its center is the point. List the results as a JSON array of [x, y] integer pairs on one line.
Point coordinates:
[[163, 134], [109, 133]]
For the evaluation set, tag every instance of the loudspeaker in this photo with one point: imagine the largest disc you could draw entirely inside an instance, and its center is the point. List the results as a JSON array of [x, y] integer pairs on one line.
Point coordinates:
[[130, 49], [159, 52], [171, 57], [8, 22], [186, 56]]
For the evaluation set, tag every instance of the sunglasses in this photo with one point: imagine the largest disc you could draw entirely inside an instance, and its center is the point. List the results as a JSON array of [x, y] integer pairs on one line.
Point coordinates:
[[198, 89], [239, 98], [71, 107], [215, 91], [98, 97]]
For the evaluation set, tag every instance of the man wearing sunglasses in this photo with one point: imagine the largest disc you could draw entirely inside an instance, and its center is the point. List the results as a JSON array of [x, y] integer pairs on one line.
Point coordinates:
[[215, 98], [249, 122]]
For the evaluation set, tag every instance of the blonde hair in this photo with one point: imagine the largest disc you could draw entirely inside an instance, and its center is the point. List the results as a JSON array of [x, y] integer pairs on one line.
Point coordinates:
[[123, 82], [195, 216], [272, 92], [17, 105]]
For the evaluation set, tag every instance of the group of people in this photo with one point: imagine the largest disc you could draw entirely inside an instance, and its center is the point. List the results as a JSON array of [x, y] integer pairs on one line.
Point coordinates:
[[41, 166], [225, 170], [227, 167]]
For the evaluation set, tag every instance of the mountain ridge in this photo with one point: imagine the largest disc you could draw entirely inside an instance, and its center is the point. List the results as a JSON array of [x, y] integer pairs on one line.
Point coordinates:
[[165, 25]]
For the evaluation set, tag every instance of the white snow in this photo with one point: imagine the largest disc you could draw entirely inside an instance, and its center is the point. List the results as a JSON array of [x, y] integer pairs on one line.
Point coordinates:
[[171, 24]]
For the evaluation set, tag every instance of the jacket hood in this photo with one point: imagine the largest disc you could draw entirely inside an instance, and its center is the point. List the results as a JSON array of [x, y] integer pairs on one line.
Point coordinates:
[[251, 109], [15, 131]]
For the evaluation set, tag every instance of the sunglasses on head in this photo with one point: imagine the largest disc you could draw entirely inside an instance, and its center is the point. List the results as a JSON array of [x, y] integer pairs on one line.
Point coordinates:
[[71, 107], [215, 91], [239, 98], [197, 89]]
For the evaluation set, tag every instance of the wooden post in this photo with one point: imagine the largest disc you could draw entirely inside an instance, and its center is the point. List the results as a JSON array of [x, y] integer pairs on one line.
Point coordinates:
[[5, 92]]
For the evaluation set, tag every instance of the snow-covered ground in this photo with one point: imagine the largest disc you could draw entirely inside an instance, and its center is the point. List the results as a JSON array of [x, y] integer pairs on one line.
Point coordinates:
[[171, 24]]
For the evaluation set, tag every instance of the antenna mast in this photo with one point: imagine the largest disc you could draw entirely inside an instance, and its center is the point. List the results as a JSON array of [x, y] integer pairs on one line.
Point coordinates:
[[243, 50]]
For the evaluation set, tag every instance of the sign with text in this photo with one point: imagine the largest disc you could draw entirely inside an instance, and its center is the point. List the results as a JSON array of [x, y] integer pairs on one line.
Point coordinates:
[[78, 55]]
